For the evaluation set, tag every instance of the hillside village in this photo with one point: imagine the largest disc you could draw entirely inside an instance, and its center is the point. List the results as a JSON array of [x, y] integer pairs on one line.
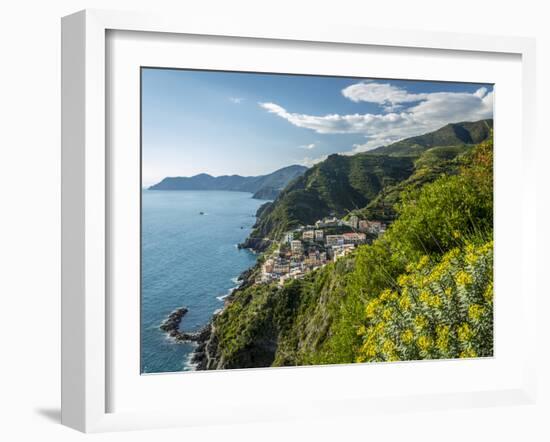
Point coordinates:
[[307, 248]]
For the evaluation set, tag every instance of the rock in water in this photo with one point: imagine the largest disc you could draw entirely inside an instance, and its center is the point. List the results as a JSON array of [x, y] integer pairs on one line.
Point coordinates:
[[172, 323]]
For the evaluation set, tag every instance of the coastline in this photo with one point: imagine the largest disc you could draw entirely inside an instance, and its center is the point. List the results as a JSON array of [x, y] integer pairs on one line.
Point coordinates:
[[200, 358], [204, 356]]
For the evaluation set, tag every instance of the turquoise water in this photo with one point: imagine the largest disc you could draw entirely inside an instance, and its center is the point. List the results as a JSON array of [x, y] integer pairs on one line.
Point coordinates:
[[190, 260]]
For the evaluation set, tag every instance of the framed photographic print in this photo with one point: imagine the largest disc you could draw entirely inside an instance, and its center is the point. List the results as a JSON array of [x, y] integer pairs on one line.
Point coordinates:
[[382, 251], [250, 213]]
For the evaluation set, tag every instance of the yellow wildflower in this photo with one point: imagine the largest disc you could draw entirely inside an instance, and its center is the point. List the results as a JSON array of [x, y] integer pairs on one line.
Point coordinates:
[[453, 254], [464, 332], [371, 309], [469, 353], [385, 295], [488, 293], [405, 302], [442, 340], [471, 256], [370, 350], [388, 347], [423, 262], [424, 297], [487, 247], [422, 281], [393, 357], [434, 301], [370, 347], [424, 342], [407, 336], [387, 313], [448, 291], [463, 278], [403, 280], [475, 311], [361, 330], [436, 274], [379, 328], [420, 322]]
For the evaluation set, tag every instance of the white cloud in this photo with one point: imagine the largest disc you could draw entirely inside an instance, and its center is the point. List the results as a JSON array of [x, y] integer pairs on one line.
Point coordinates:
[[309, 162], [380, 93], [425, 113], [327, 124], [481, 92], [236, 100], [308, 146]]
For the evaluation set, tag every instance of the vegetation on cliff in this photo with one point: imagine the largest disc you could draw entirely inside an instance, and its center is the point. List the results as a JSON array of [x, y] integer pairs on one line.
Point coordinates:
[[370, 183], [450, 135], [423, 290], [438, 308], [335, 186]]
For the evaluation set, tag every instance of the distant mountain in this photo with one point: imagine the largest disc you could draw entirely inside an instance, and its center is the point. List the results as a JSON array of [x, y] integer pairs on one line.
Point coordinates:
[[367, 183], [263, 187], [455, 134]]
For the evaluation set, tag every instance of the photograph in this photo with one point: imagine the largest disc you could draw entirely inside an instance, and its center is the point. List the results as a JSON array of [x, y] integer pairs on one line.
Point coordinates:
[[296, 220]]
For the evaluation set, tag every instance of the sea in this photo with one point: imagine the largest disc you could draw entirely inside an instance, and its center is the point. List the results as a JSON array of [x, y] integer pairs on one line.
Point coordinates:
[[189, 258]]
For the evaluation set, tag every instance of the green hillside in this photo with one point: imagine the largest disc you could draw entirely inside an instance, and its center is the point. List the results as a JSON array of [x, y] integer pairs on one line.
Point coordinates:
[[456, 134], [428, 166], [335, 186], [369, 183]]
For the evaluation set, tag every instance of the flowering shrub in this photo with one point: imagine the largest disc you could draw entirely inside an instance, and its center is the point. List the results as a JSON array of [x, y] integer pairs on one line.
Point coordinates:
[[439, 308]]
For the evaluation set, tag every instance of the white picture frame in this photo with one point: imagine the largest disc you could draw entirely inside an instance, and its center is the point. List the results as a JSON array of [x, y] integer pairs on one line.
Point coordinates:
[[86, 206]]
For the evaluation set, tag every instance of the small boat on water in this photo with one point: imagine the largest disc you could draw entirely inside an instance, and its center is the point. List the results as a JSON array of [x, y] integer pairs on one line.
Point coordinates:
[[201, 213]]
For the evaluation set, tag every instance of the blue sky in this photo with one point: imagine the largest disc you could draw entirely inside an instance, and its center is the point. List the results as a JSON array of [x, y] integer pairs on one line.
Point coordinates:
[[250, 124]]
